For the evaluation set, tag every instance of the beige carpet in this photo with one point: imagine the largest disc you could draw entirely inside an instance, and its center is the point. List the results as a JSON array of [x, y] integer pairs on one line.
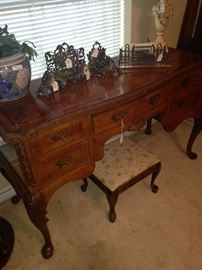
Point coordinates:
[[160, 231]]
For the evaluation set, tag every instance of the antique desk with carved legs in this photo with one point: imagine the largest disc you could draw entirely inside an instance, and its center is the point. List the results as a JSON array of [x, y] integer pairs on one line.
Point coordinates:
[[59, 138]]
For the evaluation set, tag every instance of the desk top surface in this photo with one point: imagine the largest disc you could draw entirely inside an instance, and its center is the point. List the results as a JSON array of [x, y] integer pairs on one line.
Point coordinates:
[[31, 112]]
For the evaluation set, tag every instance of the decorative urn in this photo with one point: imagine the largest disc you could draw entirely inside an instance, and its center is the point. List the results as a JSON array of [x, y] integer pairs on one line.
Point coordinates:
[[15, 74], [162, 12], [15, 71]]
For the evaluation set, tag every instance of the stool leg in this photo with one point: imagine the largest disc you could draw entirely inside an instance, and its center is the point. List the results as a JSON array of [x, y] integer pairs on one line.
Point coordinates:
[[148, 130], [112, 200], [84, 186], [154, 175]]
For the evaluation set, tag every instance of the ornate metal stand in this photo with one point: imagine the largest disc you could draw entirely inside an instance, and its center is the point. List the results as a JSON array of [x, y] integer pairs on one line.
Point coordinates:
[[143, 55], [99, 63], [66, 64]]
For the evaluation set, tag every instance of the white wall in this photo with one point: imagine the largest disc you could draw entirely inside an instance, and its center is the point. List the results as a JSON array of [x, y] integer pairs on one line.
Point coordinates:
[[128, 13], [142, 21]]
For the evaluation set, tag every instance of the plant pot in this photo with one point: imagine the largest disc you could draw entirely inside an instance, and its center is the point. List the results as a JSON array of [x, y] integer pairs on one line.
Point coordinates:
[[15, 74]]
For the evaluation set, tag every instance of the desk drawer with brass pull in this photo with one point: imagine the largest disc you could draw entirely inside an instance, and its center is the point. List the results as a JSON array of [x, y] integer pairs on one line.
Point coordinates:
[[185, 103], [59, 163], [132, 113], [111, 119], [154, 102], [185, 84], [57, 136], [186, 93]]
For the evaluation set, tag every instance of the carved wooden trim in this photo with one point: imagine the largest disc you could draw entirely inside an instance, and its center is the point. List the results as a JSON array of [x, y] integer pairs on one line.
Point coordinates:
[[26, 169]]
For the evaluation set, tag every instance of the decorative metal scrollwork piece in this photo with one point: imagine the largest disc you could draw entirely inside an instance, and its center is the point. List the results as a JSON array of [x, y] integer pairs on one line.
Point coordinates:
[[66, 64], [99, 63]]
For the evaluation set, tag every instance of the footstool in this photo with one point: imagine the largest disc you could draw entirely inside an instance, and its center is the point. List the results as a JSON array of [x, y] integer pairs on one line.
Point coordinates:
[[123, 166]]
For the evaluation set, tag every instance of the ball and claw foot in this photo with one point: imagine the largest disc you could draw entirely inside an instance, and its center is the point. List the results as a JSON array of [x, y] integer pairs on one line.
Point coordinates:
[[112, 216], [192, 155], [148, 131], [83, 187], [47, 251], [15, 199], [154, 188]]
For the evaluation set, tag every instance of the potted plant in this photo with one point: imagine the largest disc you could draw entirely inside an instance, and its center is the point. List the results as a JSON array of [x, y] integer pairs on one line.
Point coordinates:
[[15, 71]]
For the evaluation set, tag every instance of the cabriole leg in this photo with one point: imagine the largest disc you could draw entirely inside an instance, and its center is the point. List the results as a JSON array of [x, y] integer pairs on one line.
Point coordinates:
[[112, 200], [154, 175], [36, 209], [35, 205], [148, 130], [85, 185], [195, 131]]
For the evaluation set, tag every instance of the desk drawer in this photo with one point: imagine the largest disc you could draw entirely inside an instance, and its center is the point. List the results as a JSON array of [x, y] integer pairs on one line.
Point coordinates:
[[60, 135], [154, 102], [186, 103], [186, 85], [187, 91], [133, 114], [63, 162], [111, 120]]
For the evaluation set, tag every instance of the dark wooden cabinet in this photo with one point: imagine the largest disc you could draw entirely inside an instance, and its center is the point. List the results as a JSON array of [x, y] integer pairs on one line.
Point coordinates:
[[191, 32]]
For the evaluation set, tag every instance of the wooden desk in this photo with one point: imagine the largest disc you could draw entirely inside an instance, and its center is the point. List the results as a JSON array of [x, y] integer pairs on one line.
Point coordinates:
[[58, 139]]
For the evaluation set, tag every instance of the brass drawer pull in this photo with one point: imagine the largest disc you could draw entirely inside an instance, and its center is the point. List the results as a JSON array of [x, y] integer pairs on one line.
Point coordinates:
[[61, 135], [118, 116], [183, 103], [186, 82], [153, 100], [63, 163]]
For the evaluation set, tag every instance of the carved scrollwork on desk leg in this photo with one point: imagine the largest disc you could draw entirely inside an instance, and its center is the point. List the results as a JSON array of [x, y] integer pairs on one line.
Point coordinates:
[[195, 131], [20, 149]]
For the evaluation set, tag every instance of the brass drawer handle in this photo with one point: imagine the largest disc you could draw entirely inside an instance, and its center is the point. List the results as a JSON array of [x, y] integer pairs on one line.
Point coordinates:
[[186, 82], [118, 116], [61, 135], [153, 100], [183, 103], [64, 162]]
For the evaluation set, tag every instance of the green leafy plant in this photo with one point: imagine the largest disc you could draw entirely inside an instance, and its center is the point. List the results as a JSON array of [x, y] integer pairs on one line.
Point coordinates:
[[10, 46]]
